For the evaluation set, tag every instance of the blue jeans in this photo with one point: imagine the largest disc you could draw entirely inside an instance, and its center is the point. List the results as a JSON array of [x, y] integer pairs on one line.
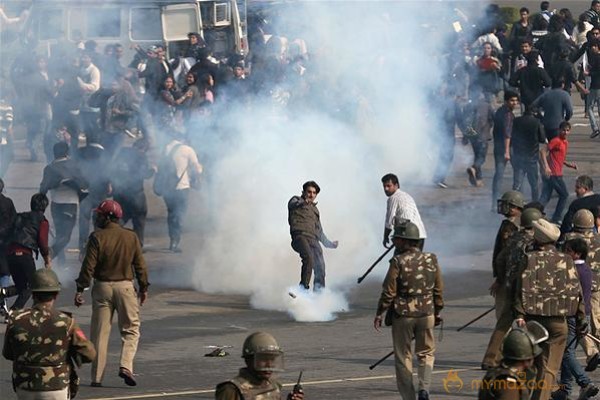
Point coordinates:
[[480, 146], [555, 183], [593, 99], [500, 164], [529, 167], [571, 368]]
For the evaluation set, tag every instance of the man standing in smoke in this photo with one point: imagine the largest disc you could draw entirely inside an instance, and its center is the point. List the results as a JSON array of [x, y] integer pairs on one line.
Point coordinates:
[[306, 231]]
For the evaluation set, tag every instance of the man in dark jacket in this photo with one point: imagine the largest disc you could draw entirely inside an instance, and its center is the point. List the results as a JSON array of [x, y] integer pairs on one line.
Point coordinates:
[[306, 231], [66, 184], [586, 199], [7, 220], [527, 135], [531, 80], [30, 236]]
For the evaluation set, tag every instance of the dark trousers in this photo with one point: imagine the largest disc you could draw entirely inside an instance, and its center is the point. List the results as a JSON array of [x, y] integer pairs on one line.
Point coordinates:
[[89, 124], [480, 147], [86, 208], [37, 125], [135, 209], [64, 217], [529, 167], [500, 164], [571, 368], [551, 133], [177, 203], [311, 254], [445, 157], [22, 268], [549, 185]]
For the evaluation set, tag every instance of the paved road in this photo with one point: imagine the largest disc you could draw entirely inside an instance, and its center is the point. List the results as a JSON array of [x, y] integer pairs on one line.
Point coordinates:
[[179, 322]]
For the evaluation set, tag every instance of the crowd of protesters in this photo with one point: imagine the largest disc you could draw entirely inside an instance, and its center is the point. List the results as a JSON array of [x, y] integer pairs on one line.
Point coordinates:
[[534, 66]]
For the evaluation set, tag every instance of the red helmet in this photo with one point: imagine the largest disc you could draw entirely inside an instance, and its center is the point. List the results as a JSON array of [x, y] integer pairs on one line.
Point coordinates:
[[110, 208]]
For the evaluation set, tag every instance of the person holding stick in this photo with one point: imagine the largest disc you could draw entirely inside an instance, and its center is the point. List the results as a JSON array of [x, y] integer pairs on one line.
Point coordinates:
[[413, 287]]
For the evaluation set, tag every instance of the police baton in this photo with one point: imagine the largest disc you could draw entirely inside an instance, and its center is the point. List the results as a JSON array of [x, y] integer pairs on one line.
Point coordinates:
[[594, 338], [374, 264], [476, 319], [381, 360]]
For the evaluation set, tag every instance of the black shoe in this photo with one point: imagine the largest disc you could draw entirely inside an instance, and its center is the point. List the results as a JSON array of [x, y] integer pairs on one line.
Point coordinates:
[[595, 133], [588, 391], [96, 384], [593, 363], [423, 395], [127, 376], [485, 367]]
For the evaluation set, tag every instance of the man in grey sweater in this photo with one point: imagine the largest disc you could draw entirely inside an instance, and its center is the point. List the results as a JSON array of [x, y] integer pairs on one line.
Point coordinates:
[[557, 107], [306, 231]]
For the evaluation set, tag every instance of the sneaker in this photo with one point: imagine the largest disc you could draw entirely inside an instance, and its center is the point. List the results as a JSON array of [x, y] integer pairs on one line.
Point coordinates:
[[127, 377], [423, 395], [588, 391], [595, 133], [479, 183], [442, 184], [592, 364], [471, 176]]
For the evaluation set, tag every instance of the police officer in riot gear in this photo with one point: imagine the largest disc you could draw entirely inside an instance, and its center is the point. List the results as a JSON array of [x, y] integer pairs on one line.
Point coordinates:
[[44, 369], [263, 356], [413, 287], [508, 381]]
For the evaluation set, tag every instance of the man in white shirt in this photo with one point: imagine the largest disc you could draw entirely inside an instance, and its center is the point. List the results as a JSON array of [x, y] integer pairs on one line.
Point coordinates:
[[400, 206], [188, 169], [89, 83]]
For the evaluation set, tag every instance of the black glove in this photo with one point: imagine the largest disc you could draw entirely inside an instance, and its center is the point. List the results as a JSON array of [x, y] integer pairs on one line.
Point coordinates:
[[438, 320]]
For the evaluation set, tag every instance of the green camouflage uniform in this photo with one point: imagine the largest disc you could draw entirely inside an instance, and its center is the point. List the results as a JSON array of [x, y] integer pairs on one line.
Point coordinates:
[[513, 259], [41, 342], [548, 291], [503, 383], [414, 286], [246, 386]]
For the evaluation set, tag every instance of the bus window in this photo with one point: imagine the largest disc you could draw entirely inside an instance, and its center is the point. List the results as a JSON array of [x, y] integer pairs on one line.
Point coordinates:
[[103, 22], [178, 20], [145, 24], [51, 24]]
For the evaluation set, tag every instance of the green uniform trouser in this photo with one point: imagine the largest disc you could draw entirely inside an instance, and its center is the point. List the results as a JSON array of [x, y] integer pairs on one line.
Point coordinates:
[[504, 317], [404, 330], [548, 363]]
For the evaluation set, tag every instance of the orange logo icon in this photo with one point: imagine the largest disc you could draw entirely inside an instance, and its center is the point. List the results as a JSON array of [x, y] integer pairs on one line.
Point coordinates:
[[452, 382]]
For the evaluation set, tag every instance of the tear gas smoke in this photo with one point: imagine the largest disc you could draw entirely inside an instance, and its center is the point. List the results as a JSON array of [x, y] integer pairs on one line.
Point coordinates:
[[374, 59]]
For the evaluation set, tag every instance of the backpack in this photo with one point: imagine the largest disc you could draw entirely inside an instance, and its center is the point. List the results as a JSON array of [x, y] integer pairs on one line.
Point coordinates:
[[166, 178]]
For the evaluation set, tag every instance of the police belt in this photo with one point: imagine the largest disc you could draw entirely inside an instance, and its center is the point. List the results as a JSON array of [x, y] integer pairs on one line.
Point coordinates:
[[408, 296]]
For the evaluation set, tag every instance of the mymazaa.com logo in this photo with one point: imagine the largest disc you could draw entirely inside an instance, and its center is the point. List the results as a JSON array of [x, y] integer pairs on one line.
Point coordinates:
[[454, 384]]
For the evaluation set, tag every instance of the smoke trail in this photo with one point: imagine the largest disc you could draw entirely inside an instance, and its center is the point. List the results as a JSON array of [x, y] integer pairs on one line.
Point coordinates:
[[376, 71]]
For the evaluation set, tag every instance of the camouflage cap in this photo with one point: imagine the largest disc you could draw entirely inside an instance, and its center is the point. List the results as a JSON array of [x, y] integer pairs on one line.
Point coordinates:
[[545, 231], [45, 280]]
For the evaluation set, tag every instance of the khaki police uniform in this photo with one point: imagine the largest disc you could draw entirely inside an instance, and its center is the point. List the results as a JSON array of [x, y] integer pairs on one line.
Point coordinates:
[[508, 228], [548, 291], [113, 254], [413, 287], [246, 386], [503, 383], [511, 260], [43, 344]]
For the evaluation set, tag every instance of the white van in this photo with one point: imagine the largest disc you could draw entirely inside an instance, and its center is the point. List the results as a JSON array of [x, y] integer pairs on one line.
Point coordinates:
[[222, 23]]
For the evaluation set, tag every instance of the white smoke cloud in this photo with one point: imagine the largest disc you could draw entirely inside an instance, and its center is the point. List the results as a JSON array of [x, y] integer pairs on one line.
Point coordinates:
[[376, 59]]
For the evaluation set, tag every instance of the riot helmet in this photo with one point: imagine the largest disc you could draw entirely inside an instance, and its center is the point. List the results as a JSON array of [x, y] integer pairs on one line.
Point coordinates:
[[583, 219], [512, 198], [406, 230], [522, 344], [45, 280], [528, 216], [265, 352]]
